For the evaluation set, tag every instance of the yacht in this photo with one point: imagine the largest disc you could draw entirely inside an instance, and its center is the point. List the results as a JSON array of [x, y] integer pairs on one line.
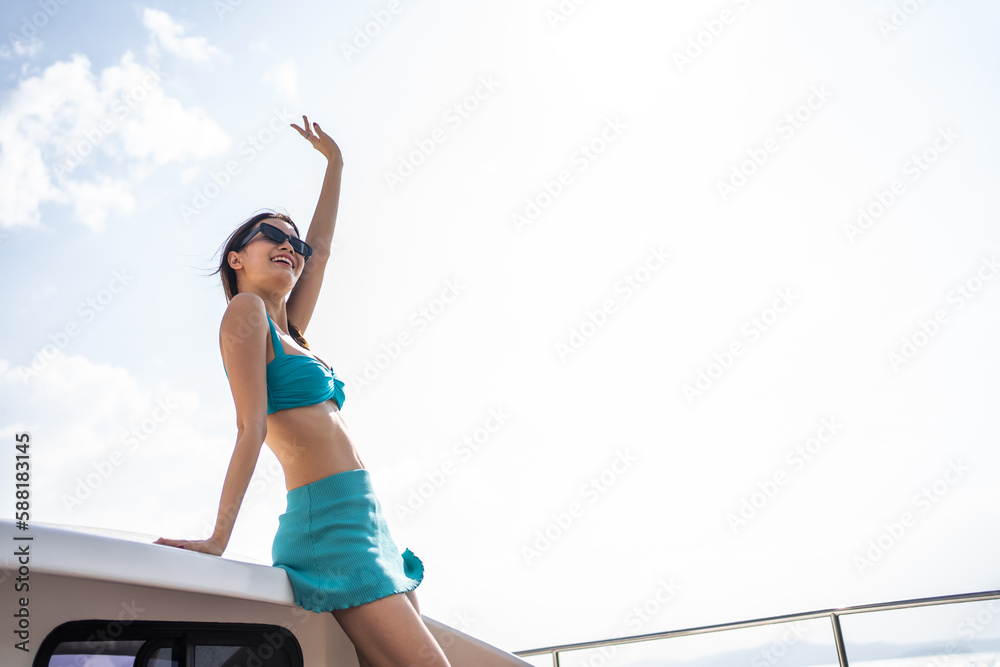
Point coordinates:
[[91, 597]]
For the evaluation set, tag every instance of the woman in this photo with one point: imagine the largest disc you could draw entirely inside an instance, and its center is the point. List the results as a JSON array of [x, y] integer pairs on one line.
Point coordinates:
[[333, 540]]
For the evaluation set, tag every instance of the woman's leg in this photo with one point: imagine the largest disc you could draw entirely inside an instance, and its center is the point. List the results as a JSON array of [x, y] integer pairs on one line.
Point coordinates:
[[412, 595], [361, 659], [390, 633]]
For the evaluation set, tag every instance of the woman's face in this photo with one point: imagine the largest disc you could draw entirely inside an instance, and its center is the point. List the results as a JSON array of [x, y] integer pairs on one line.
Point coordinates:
[[267, 262]]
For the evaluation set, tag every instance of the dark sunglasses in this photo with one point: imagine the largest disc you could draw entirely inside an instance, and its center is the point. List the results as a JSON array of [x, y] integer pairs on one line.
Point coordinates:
[[278, 236]]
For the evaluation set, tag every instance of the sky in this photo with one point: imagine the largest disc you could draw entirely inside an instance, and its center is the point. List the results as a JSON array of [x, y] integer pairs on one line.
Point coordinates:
[[690, 302]]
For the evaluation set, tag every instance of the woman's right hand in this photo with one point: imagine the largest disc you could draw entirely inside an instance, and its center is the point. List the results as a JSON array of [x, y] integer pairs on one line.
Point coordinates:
[[324, 143], [204, 546]]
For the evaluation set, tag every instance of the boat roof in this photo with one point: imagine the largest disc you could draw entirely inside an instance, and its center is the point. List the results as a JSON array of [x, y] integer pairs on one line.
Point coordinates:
[[109, 555]]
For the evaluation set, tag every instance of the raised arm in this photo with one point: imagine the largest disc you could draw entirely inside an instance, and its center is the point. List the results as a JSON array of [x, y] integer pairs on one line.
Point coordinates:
[[302, 300], [243, 340]]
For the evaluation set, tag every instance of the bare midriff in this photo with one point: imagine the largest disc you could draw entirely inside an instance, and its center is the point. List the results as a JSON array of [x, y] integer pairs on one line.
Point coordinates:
[[311, 443]]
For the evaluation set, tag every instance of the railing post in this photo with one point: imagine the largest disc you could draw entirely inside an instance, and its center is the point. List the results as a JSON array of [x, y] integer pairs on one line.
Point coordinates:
[[838, 637], [555, 658]]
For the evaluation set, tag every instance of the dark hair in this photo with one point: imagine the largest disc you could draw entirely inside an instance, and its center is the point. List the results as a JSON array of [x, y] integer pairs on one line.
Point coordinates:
[[228, 273]]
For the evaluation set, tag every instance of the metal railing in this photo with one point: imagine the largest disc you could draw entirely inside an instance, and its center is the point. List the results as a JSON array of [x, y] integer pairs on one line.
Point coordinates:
[[833, 614]]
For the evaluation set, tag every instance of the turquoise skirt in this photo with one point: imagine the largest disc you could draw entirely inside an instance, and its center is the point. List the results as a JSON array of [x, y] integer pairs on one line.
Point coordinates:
[[334, 543]]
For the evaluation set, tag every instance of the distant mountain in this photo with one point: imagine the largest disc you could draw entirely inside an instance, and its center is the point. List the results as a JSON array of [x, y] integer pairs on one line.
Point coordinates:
[[805, 654]]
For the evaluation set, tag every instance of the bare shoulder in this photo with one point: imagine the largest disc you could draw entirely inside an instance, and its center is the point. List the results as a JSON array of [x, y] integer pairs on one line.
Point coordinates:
[[243, 304], [243, 341], [244, 319]]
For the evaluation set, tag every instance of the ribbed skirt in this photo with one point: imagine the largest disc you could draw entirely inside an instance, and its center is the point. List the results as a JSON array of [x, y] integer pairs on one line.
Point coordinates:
[[334, 543]]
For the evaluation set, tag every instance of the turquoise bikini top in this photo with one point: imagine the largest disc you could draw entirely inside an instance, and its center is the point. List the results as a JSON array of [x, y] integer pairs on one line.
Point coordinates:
[[294, 380]]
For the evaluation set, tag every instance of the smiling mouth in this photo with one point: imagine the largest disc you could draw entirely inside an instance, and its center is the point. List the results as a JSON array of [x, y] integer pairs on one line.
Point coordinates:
[[283, 260]]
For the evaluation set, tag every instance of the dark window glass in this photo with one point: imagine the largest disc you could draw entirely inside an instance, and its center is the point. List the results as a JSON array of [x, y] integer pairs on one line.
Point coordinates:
[[168, 644], [162, 657], [264, 655]]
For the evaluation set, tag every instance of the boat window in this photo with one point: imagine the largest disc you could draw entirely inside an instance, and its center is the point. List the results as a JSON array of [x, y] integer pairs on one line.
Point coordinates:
[[76, 653], [111, 643], [163, 657], [159, 652], [239, 656]]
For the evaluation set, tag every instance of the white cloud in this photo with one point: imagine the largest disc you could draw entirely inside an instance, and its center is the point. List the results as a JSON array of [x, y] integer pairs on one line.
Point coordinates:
[[170, 35], [168, 132], [128, 456], [103, 410], [285, 79], [94, 200], [187, 174], [28, 124], [44, 293], [24, 183], [28, 48], [20, 47], [60, 130]]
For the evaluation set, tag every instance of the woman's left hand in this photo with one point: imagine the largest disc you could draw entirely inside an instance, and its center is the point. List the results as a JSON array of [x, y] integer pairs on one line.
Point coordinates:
[[204, 546], [320, 140]]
